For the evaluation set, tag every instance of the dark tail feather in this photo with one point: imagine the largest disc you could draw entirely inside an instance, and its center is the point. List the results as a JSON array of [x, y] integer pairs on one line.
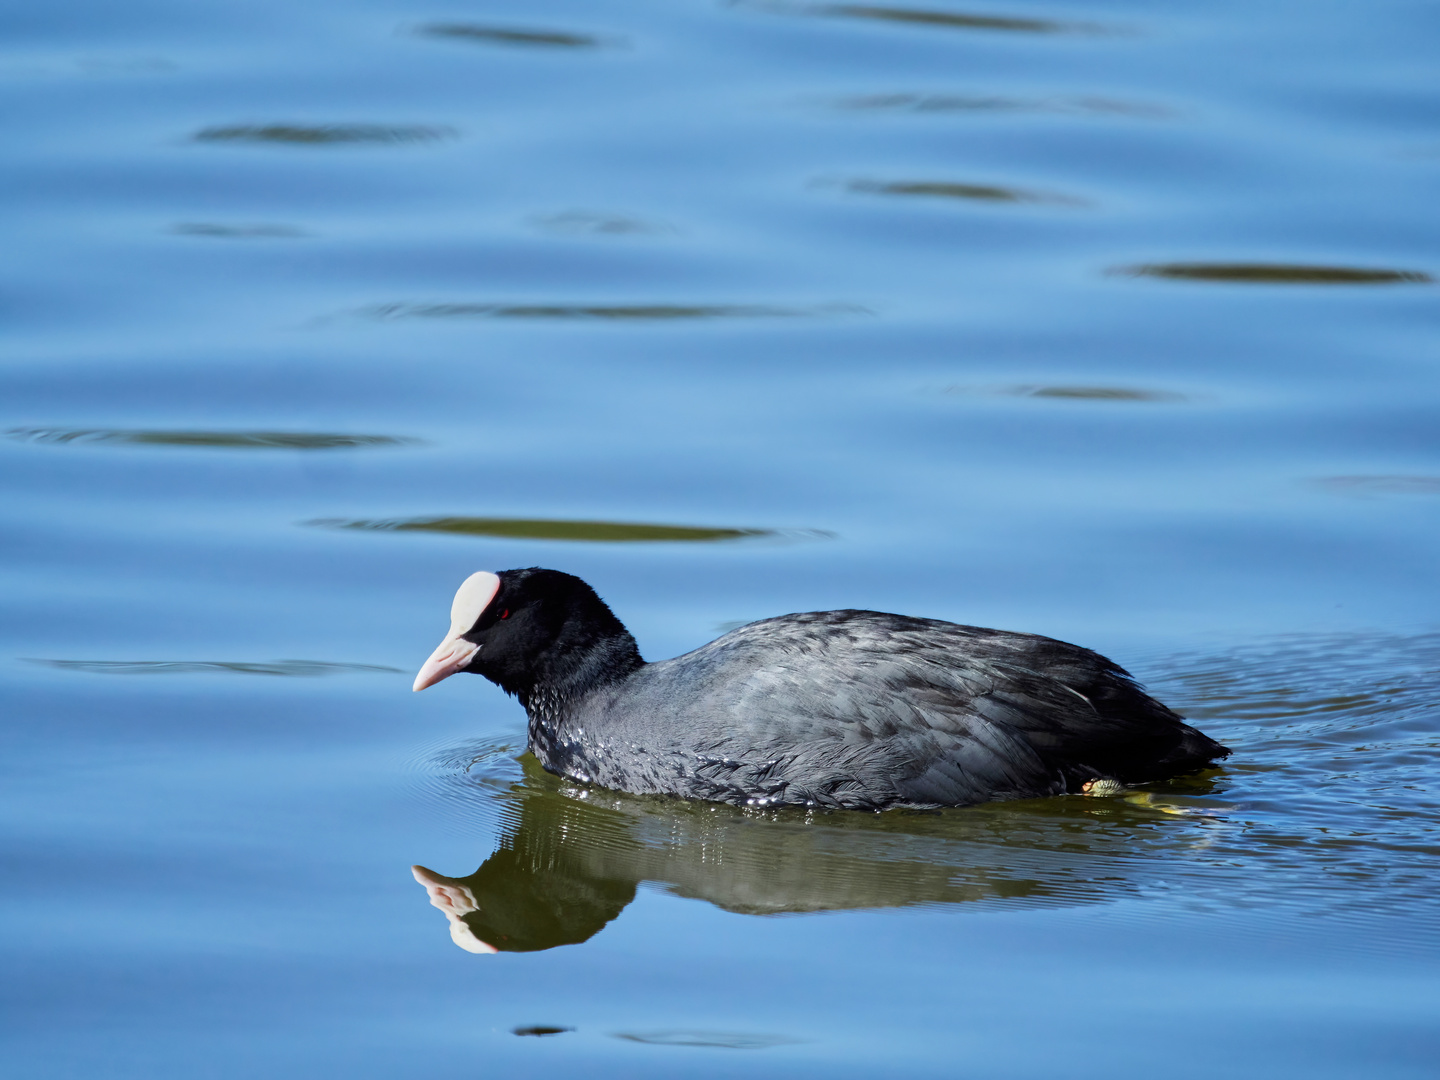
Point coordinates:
[[1194, 750]]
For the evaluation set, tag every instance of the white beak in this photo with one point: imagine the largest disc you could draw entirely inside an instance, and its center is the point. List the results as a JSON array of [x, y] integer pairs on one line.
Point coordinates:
[[455, 653]]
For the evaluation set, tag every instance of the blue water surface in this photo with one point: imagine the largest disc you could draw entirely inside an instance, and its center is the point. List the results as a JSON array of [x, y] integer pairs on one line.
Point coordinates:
[[1111, 321]]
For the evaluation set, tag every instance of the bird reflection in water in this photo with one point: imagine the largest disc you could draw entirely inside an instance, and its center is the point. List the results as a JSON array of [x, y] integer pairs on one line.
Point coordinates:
[[570, 859]]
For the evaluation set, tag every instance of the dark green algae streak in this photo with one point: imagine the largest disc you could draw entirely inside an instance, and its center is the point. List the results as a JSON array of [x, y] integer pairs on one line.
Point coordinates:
[[475, 33], [222, 440], [938, 19], [544, 529], [945, 189], [1258, 273], [599, 312], [296, 134]]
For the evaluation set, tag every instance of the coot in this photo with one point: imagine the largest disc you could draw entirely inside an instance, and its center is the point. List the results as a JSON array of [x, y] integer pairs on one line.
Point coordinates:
[[835, 709]]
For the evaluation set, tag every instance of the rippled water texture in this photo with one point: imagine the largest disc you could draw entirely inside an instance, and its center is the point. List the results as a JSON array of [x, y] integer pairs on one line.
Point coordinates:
[[1109, 321]]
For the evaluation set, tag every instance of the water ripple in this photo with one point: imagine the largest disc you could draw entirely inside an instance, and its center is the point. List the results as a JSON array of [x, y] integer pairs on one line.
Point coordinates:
[[1071, 392], [933, 18], [236, 232], [998, 103], [1094, 393], [291, 668], [223, 440], [1381, 485], [599, 312], [325, 134], [556, 529], [725, 1040], [945, 189], [1257, 273], [478, 34], [588, 223]]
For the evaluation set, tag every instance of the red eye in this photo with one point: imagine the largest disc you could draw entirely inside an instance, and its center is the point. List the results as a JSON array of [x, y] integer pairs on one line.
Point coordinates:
[[505, 614]]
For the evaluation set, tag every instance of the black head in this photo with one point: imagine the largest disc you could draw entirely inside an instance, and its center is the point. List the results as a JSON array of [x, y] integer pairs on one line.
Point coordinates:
[[527, 628]]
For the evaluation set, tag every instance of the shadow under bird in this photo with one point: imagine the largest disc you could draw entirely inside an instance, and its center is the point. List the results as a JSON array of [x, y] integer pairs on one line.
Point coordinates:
[[834, 709]]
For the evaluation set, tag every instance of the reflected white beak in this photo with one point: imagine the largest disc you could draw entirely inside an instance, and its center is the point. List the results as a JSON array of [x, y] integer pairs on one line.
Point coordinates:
[[455, 899], [454, 654]]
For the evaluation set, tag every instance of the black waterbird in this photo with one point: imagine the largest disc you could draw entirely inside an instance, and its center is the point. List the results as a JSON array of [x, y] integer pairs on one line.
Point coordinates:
[[831, 709]]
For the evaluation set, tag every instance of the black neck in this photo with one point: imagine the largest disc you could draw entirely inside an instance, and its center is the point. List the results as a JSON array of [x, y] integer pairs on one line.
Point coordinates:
[[570, 670]]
